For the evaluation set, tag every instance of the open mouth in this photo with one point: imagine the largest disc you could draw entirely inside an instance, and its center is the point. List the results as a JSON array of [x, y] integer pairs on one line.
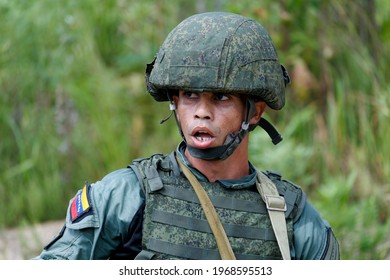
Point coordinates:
[[202, 136]]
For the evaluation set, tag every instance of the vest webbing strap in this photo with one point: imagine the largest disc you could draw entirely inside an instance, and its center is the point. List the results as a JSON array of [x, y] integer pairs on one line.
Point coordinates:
[[223, 243], [201, 225], [276, 206]]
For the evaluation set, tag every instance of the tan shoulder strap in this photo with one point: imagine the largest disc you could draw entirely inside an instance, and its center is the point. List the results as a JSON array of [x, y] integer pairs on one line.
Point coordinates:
[[223, 243], [276, 206]]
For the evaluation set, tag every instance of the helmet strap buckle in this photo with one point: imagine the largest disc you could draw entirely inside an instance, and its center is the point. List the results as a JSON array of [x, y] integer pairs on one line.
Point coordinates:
[[245, 125]]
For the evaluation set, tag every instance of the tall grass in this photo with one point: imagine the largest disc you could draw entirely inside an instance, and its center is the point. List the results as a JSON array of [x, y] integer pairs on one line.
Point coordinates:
[[73, 104], [337, 149]]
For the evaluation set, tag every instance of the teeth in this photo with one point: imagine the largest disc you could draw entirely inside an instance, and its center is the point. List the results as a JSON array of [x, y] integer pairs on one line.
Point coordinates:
[[201, 138]]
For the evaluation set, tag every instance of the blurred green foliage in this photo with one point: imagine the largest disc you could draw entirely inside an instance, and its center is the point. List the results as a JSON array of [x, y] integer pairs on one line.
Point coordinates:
[[73, 104]]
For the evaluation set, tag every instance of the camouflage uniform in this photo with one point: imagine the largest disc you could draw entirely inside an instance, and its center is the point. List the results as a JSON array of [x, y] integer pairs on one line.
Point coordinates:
[[149, 211], [112, 226]]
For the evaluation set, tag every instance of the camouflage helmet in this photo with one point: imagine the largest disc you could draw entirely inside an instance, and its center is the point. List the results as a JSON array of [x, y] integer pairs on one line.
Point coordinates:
[[218, 52]]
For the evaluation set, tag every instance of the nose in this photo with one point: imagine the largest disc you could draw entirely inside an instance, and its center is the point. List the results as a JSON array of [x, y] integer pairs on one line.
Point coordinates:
[[203, 108]]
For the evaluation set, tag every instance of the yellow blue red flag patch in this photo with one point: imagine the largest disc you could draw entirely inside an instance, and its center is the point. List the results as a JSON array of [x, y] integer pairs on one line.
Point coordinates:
[[80, 205]]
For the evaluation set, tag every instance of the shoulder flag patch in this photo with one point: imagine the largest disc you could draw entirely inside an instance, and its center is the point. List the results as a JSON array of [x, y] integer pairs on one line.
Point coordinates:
[[80, 206]]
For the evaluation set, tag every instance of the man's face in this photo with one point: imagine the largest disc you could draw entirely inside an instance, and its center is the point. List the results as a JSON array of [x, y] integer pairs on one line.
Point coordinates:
[[207, 118]]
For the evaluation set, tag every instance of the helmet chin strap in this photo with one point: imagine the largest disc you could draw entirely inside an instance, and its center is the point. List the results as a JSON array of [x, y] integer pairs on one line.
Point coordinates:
[[222, 152], [232, 140]]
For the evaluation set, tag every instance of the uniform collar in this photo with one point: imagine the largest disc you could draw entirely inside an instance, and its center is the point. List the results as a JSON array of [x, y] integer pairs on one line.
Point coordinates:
[[245, 182]]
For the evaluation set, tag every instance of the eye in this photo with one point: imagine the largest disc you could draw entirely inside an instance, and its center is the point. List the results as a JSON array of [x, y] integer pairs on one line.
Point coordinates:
[[190, 94], [221, 96]]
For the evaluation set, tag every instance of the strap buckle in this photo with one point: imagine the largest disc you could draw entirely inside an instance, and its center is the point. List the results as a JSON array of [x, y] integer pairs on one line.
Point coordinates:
[[275, 203]]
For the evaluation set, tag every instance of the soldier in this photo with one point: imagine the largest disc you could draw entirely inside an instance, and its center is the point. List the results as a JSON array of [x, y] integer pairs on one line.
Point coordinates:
[[205, 200]]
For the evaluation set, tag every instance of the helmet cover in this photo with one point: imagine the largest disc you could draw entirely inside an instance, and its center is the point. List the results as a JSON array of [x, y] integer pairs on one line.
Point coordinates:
[[218, 52]]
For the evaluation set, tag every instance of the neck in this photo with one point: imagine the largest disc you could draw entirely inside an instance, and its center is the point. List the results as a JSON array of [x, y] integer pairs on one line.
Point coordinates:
[[234, 167]]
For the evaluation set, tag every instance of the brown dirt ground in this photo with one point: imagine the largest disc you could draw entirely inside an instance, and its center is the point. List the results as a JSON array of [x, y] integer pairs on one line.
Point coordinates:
[[24, 243]]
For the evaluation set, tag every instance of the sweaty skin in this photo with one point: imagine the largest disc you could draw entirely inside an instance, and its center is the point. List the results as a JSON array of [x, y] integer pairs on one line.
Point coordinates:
[[206, 119]]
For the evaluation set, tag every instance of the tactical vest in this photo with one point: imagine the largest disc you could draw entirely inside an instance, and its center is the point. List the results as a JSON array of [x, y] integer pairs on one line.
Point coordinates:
[[175, 226]]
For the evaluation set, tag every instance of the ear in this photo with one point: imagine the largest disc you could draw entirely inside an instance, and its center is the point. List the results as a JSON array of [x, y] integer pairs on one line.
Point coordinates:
[[260, 108], [175, 99]]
